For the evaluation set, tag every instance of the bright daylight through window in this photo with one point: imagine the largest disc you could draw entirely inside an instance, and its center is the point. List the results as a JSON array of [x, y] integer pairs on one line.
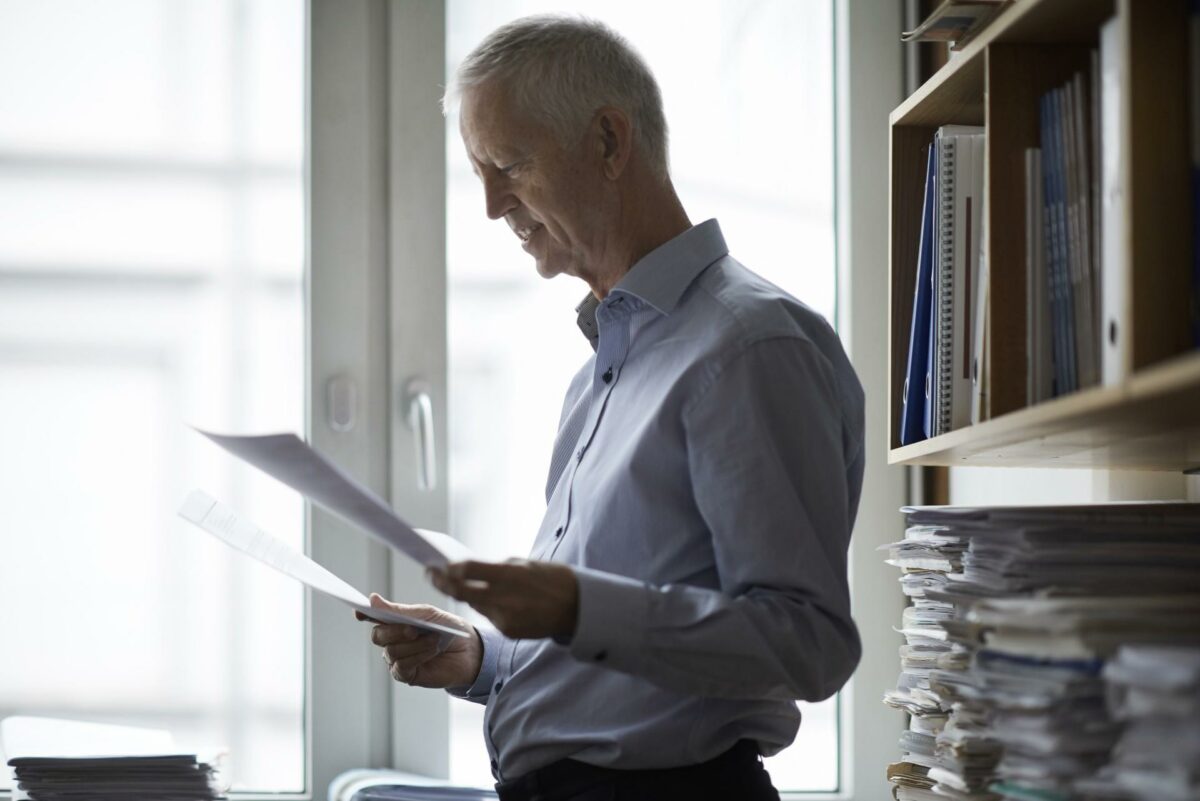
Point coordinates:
[[151, 275], [748, 91]]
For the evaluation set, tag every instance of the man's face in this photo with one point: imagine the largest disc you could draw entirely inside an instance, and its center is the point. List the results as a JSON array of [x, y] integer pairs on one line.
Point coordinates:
[[540, 189]]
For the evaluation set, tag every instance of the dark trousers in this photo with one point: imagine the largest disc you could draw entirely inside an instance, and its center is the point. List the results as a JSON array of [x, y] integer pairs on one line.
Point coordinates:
[[736, 775]]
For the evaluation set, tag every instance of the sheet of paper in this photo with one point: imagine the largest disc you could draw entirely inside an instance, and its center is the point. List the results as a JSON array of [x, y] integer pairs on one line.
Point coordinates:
[[289, 459], [223, 523], [25, 736]]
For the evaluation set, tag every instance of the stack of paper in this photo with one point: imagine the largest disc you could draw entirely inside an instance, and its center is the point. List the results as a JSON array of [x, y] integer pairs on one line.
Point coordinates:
[[1016, 611], [1154, 691], [944, 755], [62, 760]]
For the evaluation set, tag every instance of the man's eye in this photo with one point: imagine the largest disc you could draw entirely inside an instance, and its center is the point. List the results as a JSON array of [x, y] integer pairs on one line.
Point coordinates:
[[511, 169]]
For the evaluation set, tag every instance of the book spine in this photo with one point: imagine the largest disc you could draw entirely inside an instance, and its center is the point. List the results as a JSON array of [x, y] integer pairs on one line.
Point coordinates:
[[1032, 294], [1113, 251], [1050, 240], [1065, 280], [1194, 88], [944, 308]]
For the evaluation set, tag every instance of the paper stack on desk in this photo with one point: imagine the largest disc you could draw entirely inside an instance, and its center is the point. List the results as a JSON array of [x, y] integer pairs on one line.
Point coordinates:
[[1016, 611], [64, 760]]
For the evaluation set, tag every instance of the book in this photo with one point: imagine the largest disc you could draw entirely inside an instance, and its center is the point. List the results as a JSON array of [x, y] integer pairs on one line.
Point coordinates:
[[957, 233], [956, 21], [943, 283], [912, 415], [1051, 235], [1039, 361], [965, 277], [980, 371], [1114, 247], [1086, 326], [1194, 125], [1059, 170]]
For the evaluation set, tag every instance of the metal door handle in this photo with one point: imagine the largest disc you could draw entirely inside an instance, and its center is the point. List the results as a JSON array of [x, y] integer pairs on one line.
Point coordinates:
[[420, 420]]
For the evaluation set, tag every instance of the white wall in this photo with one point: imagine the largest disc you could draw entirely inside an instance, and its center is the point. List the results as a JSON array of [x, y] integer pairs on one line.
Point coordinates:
[[972, 486]]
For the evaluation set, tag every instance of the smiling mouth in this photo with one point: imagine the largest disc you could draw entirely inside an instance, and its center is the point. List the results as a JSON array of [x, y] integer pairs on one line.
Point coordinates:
[[525, 233]]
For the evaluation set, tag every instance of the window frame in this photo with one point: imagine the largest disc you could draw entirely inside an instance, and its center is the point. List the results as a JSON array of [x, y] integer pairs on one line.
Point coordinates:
[[346, 147]]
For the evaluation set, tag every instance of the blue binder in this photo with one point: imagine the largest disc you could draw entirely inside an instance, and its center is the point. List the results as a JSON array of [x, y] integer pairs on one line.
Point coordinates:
[[913, 417]]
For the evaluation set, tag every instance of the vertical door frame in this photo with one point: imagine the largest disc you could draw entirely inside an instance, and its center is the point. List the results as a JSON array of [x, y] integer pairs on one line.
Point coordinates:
[[868, 65], [417, 293]]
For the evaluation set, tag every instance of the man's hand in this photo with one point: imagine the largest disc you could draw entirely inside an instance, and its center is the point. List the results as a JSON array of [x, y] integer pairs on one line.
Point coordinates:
[[412, 654], [524, 600]]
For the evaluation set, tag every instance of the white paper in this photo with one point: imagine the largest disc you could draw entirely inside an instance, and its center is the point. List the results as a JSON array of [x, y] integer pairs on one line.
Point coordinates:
[[25, 736], [289, 459], [223, 523]]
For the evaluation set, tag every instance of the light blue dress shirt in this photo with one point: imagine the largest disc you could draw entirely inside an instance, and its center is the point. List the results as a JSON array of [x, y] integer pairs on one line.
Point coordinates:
[[703, 486]]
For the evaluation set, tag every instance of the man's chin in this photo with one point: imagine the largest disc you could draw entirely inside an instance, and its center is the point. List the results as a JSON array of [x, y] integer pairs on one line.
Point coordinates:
[[546, 269]]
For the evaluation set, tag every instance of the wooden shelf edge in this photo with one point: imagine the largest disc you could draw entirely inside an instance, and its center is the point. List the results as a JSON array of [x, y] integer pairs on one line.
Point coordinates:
[[1020, 23], [1151, 421], [959, 61]]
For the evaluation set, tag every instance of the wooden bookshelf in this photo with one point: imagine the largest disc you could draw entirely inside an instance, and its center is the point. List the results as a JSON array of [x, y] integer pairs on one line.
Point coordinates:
[[1151, 422], [1152, 419]]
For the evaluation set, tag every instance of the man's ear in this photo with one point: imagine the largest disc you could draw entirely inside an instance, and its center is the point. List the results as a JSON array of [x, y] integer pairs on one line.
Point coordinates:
[[614, 140]]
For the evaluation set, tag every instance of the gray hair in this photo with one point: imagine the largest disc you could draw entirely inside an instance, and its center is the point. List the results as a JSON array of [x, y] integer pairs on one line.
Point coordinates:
[[562, 69]]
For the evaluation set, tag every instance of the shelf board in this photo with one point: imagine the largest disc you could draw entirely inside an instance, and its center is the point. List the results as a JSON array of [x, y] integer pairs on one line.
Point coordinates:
[[955, 92], [1150, 422]]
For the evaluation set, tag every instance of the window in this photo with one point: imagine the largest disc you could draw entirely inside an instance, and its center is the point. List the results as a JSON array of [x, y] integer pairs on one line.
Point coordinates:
[[151, 275], [748, 91]]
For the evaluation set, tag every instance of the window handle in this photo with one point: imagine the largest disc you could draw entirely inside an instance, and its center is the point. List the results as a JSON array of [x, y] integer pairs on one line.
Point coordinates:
[[420, 420]]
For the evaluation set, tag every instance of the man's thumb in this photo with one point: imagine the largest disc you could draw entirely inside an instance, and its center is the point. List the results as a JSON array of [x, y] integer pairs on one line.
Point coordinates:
[[378, 601]]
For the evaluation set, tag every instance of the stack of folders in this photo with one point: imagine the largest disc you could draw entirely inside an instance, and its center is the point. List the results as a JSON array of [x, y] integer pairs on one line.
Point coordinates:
[[1015, 611], [1063, 224], [161, 778], [1154, 693], [943, 388], [66, 760]]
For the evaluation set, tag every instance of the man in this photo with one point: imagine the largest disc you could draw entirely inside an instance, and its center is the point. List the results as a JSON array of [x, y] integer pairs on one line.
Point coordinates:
[[688, 582]]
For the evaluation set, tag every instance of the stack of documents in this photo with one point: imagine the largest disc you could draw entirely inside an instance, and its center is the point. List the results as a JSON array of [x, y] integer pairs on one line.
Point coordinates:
[[61, 760], [1016, 613], [944, 754], [1154, 692]]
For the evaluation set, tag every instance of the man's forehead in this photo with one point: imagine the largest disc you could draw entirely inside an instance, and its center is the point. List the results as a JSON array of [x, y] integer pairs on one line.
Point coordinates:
[[490, 118]]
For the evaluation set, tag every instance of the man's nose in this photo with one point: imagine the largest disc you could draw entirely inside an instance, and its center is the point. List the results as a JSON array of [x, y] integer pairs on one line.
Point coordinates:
[[498, 198]]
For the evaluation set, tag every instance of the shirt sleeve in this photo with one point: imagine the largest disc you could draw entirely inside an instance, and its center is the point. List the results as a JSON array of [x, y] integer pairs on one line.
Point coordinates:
[[774, 443], [481, 689]]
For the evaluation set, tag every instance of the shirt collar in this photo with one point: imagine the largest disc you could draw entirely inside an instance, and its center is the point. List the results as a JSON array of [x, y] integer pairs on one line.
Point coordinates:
[[661, 276]]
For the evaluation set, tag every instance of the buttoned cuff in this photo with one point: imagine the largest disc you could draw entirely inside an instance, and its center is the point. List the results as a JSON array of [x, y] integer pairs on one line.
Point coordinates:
[[613, 610], [482, 688]]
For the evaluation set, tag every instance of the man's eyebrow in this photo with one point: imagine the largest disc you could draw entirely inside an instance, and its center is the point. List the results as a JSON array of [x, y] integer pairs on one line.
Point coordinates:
[[514, 163]]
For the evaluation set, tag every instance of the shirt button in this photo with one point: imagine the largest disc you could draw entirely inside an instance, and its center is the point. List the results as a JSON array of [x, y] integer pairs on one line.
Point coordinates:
[[600, 656], [607, 375], [579, 456], [559, 532], [499, 684]]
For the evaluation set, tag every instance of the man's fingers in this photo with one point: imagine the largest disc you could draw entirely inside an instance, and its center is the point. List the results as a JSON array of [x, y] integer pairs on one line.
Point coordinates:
[[413, 654], [472, 592], [490, 572], [389, 633]]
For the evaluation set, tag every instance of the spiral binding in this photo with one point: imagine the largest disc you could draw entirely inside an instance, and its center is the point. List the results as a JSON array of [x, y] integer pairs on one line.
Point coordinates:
[[944, 287]]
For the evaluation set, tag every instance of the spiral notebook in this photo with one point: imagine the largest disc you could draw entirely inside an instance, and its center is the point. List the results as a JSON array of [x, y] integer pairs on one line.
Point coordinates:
[[958, 189]]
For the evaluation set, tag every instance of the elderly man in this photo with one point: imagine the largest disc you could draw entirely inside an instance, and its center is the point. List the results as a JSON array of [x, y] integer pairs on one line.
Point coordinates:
[[688, 583]]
